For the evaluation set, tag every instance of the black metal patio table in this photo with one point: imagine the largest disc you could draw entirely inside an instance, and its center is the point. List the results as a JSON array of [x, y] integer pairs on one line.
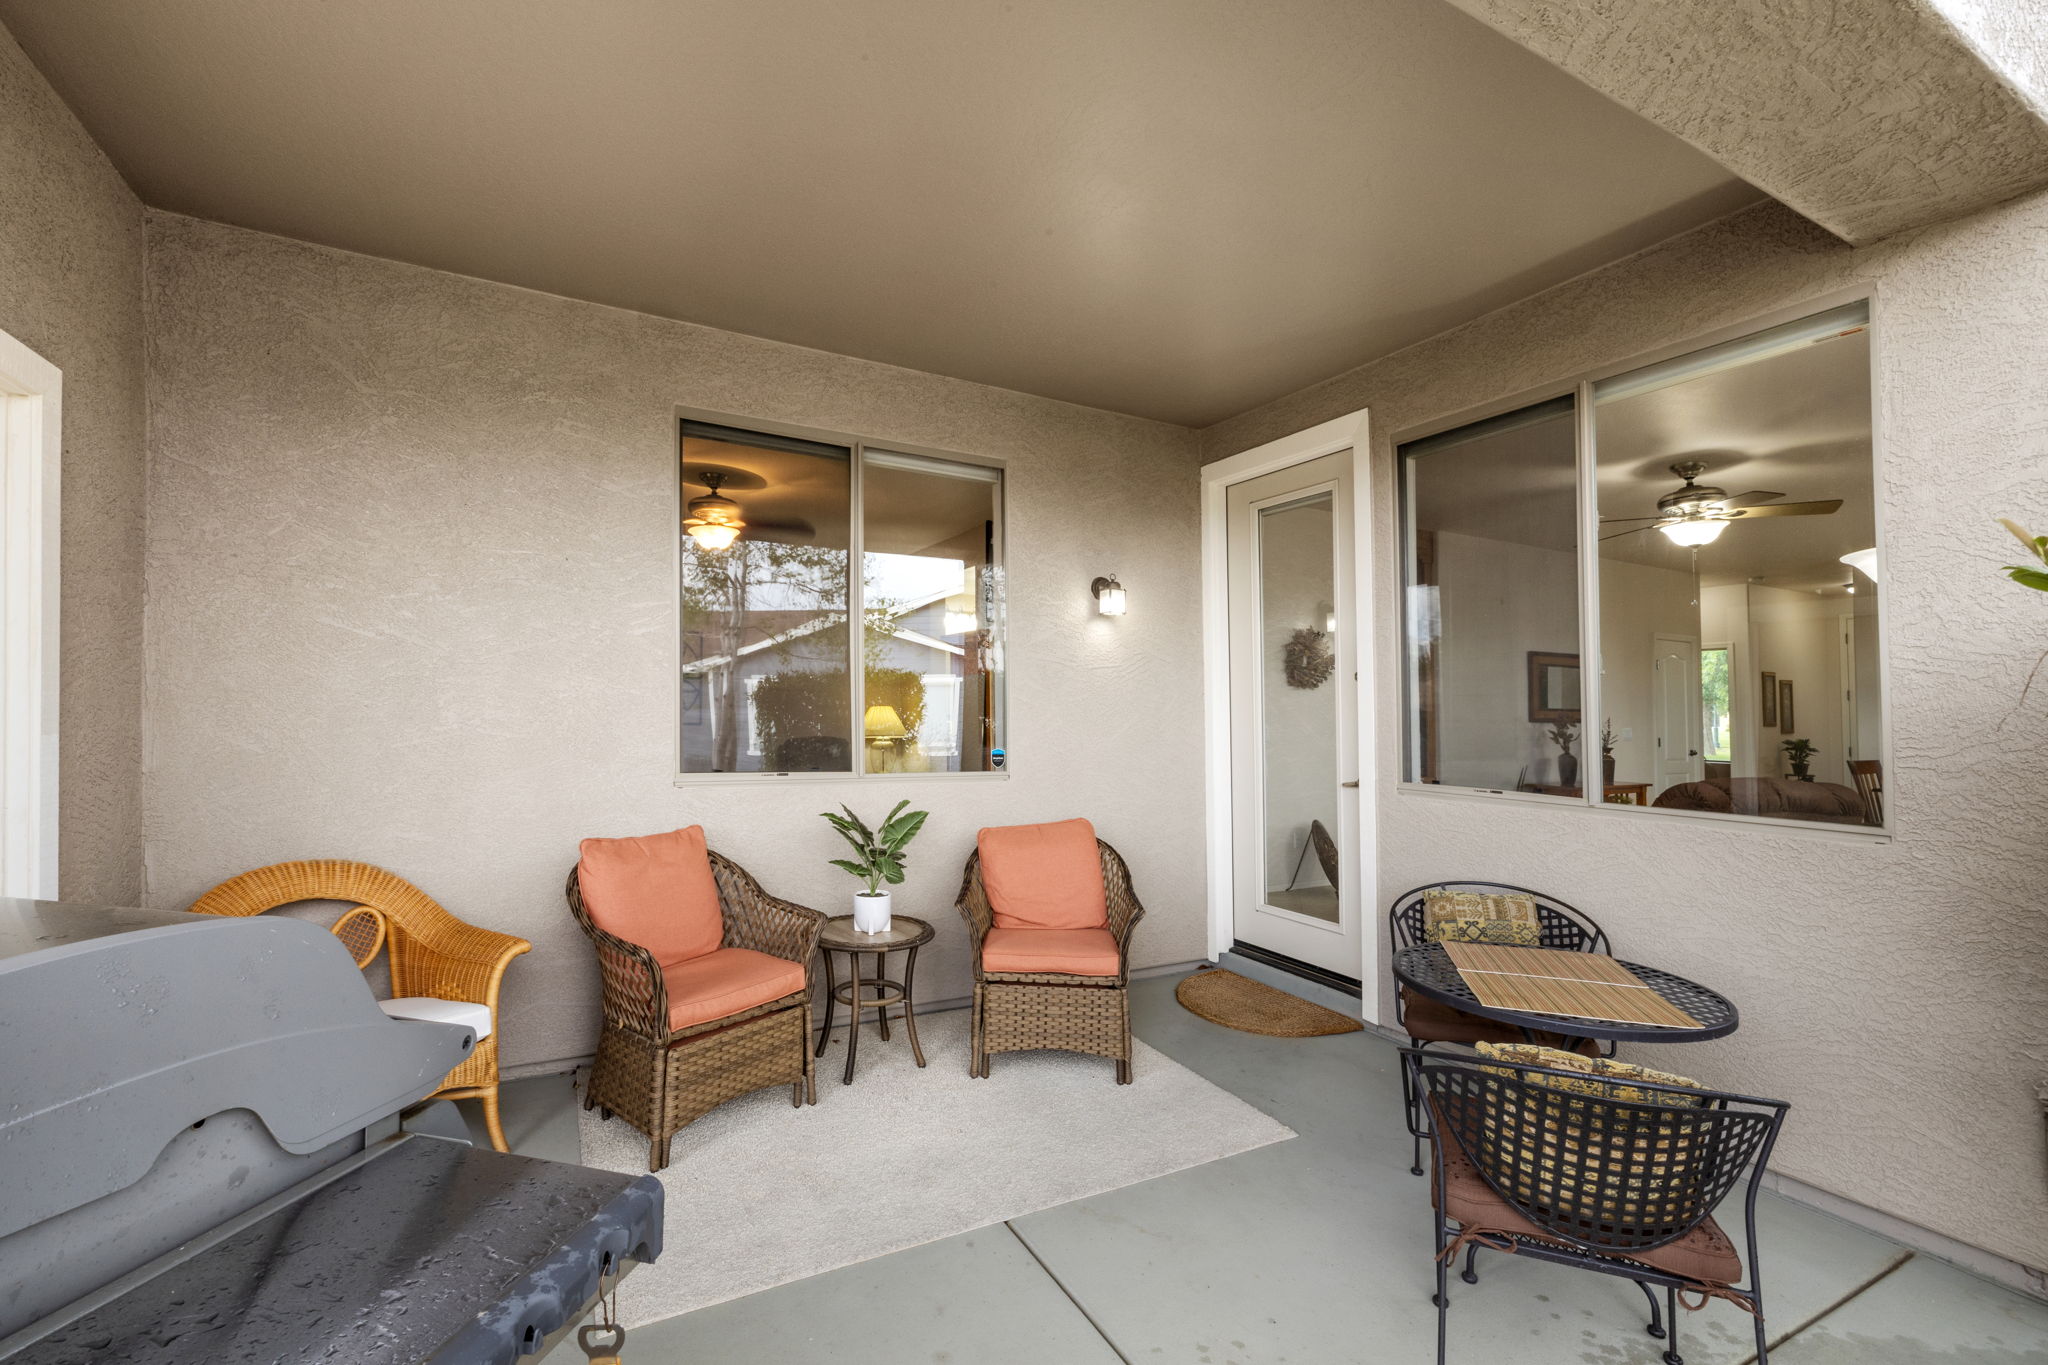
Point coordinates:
[[1427, 970]]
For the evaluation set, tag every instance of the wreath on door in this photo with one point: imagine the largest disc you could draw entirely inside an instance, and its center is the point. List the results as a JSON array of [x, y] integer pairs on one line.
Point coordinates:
[[1307, 659]]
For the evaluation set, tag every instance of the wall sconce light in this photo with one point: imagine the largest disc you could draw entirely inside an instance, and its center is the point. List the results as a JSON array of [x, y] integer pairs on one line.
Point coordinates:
[[1109, 596]]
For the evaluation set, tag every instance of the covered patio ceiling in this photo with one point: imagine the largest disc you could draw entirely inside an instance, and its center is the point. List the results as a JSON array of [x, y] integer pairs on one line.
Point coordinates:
[[1178, 211]]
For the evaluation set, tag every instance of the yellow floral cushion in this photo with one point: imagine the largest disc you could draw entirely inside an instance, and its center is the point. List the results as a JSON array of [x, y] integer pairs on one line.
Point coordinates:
[[1559, 1163], [1601, 1074], [1480, 917]]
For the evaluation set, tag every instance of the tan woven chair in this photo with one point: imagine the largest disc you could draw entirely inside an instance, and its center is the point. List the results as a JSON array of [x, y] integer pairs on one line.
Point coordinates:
[[661, 1080], [1020, 1011], [430, 952]]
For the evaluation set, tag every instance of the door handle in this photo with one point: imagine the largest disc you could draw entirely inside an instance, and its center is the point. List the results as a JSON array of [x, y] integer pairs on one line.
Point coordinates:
[[1347, 784]]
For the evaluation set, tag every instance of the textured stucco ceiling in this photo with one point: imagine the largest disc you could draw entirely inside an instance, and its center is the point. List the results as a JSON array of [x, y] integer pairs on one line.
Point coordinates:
[[1175, 208], [1870, 118]]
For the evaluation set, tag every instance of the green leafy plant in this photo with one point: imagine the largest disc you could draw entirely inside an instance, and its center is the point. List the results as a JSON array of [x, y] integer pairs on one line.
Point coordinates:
[[1799, 753], [2031, 575], [878, 853], [1564, 734]]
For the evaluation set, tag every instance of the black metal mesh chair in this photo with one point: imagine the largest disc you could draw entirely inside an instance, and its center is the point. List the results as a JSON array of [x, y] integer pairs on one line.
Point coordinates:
[[1623, 1183], [1560, 925]]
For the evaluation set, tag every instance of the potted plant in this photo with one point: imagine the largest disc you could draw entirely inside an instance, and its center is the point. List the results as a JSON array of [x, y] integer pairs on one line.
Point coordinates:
[[878, 860], [1799, 753], [1564, 734], [1607, 742]]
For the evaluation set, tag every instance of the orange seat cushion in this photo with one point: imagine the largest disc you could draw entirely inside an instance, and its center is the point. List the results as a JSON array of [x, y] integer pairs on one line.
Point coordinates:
[[701, 989], [1078, 952], [1043, 876], [655, 890]]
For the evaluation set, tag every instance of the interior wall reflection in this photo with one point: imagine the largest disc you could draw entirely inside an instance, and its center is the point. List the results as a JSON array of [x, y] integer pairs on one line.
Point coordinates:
[[1738, 640]]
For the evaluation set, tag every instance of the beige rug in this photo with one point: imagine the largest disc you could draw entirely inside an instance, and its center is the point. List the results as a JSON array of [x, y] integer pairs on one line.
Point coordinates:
[[760, 1193]]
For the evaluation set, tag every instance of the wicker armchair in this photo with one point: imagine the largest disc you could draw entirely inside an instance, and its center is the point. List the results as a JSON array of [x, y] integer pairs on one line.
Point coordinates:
[[661, 1079], [1622, 1183], [1019, 1011], [430, 952]]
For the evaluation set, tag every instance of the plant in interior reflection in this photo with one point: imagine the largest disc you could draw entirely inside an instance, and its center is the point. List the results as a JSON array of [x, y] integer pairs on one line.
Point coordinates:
[[1799, 754], [1564, 734]]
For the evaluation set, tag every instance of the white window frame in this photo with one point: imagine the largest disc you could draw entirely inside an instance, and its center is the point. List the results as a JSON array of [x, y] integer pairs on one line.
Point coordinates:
[[31, 459], [994, 605], [1581, 388]]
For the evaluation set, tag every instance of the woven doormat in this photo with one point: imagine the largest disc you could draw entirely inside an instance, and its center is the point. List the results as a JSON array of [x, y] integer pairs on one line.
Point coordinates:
[[1224, 997]]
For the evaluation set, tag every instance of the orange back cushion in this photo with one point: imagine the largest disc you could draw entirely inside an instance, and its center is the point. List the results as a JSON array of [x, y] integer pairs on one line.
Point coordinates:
[[656, 891], [1044, 876]]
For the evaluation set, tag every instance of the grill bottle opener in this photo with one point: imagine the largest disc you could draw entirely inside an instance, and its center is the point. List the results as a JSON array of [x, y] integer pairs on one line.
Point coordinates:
[[611, 1340]]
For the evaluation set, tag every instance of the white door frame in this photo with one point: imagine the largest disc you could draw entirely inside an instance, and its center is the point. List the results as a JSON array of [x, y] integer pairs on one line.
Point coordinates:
[[1341, 433], [31, 456]]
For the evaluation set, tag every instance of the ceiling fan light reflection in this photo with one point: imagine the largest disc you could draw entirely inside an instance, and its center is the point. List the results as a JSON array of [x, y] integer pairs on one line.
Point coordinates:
[[713, 535], [1690, 532], [1863, 561]]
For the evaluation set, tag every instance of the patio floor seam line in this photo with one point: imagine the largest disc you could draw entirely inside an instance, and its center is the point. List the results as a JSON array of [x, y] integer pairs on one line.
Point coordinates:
[[1858, 1292], [1060, 1284]]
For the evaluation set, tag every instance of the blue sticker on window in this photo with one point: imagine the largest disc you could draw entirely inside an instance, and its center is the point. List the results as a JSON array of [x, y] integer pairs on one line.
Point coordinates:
[[996, 757]]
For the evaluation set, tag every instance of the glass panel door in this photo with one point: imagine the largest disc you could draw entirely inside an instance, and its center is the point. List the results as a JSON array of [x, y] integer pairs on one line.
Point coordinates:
[[1293, 706], [1298, 706]]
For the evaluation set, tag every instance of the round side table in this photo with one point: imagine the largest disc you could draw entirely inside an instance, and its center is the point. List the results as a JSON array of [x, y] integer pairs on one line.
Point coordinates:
[[905, 935]]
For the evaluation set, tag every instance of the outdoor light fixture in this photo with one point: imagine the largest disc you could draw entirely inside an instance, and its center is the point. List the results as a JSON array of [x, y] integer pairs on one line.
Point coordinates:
[[713, 520], [1109, 596], [1863, 561]]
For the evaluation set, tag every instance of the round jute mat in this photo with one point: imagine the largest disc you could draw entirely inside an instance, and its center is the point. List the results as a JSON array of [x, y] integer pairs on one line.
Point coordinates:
[[1223, 997]]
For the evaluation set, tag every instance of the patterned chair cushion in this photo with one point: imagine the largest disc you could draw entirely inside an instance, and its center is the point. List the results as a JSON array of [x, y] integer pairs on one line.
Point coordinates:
[[1592, 1165], [1480, 917], [1601, 1074]]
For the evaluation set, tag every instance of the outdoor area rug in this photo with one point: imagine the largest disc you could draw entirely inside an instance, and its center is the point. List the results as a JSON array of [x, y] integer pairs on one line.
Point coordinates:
[[1223, 997], [760, 1193]]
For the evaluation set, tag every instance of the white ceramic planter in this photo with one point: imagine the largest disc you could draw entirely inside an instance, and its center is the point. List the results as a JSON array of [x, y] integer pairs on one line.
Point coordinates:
[[871, 913]]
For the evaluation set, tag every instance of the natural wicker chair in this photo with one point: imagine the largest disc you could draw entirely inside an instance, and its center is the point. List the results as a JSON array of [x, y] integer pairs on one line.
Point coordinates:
[[1019, 1011], [1426, 1021], [1623, 1182], [661, 1079], [430, 952]]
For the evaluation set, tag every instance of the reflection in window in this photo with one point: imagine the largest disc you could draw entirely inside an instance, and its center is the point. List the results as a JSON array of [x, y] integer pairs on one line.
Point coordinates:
[[768, 632], [930, 601], [764, 619], [1492, 604], [1735, 497]]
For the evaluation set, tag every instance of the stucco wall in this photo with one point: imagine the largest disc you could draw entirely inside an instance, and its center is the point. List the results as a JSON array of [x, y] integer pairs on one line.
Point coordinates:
[[71, 264], [1893, 991], [411, 601]]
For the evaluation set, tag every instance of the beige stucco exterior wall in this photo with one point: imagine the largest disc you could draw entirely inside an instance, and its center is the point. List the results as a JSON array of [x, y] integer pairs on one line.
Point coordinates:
[[1893, 991], [71, 263], [412, 602]]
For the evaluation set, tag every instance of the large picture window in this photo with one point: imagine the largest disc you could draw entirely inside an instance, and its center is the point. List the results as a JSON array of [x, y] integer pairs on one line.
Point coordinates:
[[792, 662], [1735, 575]]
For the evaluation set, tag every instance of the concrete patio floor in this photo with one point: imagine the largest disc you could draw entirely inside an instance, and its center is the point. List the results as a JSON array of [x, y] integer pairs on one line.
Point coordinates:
[[1309, 1252]]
